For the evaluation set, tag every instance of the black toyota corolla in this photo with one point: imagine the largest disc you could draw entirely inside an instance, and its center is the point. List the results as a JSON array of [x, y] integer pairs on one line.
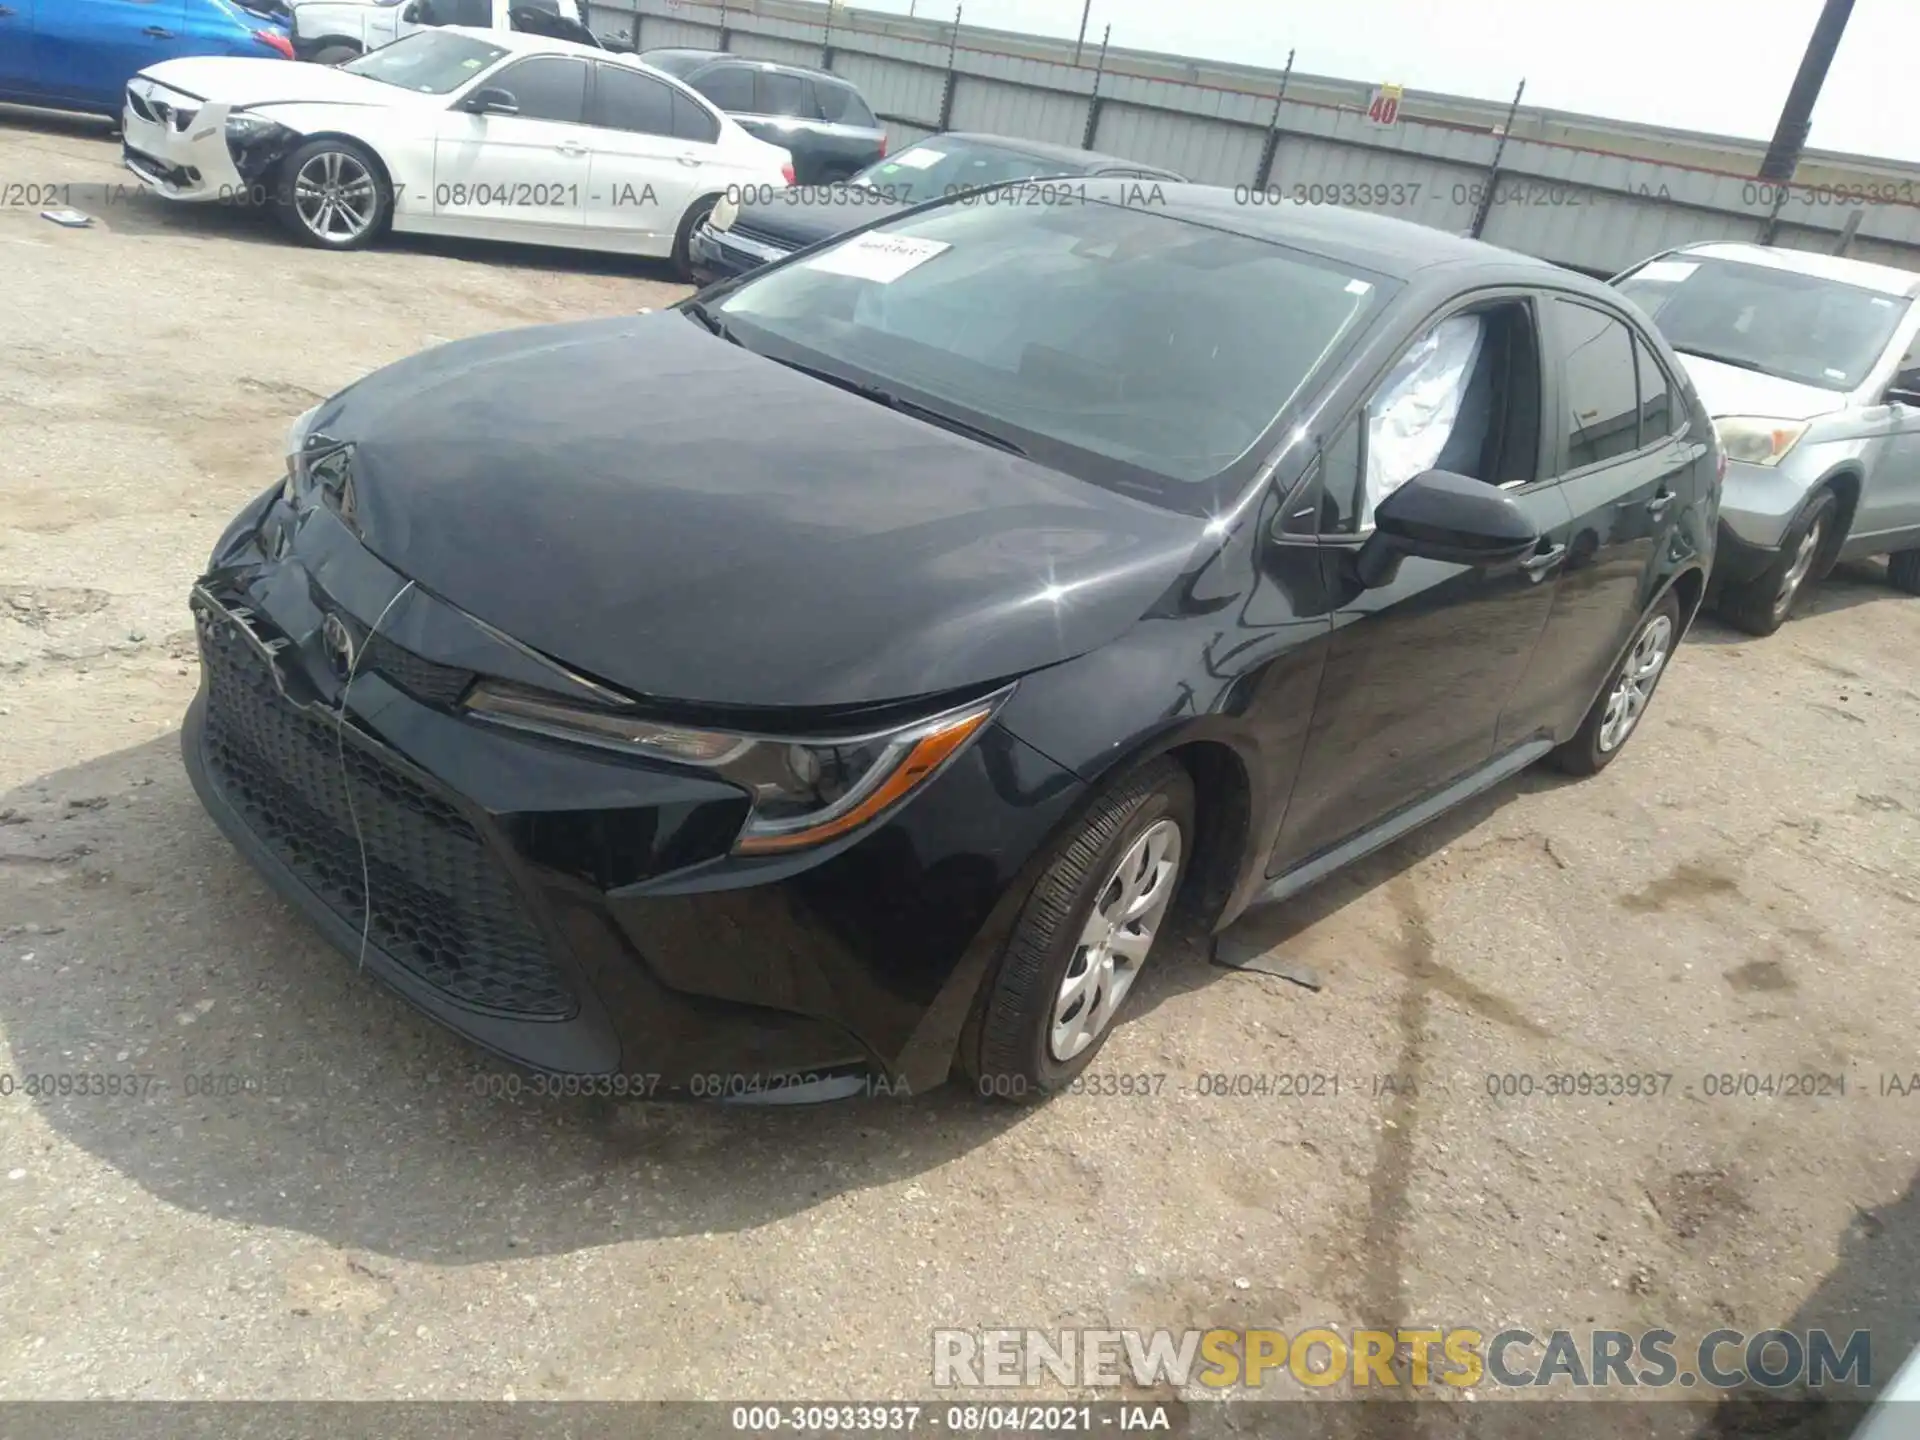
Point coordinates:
[[839, 680]]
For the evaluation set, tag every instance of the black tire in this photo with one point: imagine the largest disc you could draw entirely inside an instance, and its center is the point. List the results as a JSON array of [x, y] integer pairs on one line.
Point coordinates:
[[683, 237], [1763, 604], [1007, 1051], [355, 161], [1903, 571], [335, 55], [1592, 749]]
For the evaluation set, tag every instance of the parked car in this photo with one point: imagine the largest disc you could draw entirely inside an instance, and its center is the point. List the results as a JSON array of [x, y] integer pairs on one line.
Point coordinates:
[[498, 135], [746, 231], [1810, 366], [79, 54], [329, 32], [822, 119], [844, 674]]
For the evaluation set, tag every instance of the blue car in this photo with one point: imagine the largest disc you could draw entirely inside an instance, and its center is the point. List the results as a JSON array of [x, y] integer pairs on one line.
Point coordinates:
[[79, 54]]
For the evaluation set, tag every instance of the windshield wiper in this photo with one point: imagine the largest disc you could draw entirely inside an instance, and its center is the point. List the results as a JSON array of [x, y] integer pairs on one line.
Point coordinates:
[[707, 318], [1736, 361], [885, 397]]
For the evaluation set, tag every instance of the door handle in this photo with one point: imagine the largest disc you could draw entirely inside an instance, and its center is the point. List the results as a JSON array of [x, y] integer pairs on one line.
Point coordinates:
[[158, 32], [688, 160], [571, 149], [1537, 566], [1660, 504]]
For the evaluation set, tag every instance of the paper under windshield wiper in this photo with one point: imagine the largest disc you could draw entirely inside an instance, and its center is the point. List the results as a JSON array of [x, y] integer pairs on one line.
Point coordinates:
[[881, 396]]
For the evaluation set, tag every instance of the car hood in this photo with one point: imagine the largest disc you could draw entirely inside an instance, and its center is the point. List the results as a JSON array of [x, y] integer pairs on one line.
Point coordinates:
[[238, 81], [666, 511], [1729, 390], [839, 208]]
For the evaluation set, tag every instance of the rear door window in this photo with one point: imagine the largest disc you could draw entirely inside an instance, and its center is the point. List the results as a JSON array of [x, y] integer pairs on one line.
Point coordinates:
[[728, 86], [842, 105], [1657, 419], [1600, 403], [778, 93]]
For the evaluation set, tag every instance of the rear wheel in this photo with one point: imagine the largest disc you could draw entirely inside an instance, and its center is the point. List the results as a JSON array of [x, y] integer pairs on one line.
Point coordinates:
[[332, 194], [1628, 691], [1903, 571], [1763, 604], [683, 237], [1082, 939]]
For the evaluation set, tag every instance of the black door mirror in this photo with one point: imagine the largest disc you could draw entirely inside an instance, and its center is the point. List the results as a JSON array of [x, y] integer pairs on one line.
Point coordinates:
[[1905, 387], [491, 100], [420, 12], [1438, 515]]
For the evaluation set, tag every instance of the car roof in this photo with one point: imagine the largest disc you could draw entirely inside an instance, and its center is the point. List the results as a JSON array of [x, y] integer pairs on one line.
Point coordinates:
[[689, 52], [520, 42], [1864, 273], [1044, 150], [1398, 249]]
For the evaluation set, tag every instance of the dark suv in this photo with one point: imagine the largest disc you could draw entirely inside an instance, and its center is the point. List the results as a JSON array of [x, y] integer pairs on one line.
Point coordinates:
[[825, 124]]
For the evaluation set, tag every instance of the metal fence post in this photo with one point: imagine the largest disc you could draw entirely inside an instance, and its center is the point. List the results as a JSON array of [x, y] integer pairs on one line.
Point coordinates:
[[1093, 101], [1264, 172], [726, 35], [1849, 230], [946, 94], [1485, 207], [826, 42]]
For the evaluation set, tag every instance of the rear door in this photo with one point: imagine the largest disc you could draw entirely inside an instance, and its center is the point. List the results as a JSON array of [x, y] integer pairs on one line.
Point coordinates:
[[1419, 670], [1889, 509], [652, 148], [519, 177], [86, 50], [787, 114], [851, 136], [1624, 463]]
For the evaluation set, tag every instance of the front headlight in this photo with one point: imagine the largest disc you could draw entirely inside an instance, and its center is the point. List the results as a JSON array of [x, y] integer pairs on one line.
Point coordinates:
[[805, 791], [244, 129], [292, 450], [1756, 440], [725, 211]]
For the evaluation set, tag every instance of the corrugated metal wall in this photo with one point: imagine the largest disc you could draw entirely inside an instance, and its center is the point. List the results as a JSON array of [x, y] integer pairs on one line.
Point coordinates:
[[1596, 195]]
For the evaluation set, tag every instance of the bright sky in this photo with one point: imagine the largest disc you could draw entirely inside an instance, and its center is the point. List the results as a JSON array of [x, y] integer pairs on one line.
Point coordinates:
[[1722, 66]]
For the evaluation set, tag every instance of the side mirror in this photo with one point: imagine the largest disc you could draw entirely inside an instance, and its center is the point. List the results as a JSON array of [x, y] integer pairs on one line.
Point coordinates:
[[420, 12], [492, 101], [1905, 387], [1438, 515]]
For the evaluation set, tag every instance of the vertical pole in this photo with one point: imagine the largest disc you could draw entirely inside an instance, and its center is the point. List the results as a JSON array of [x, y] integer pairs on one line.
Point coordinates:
[[1093, 102], [1085, 11], [1485, 207], [725, 34], [1796, 117], [946, 94], [1849, 230], [1263, 175], [826, 42]]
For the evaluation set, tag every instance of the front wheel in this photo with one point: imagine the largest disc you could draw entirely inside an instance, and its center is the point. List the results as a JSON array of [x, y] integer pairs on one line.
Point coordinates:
[[1082, 939], [333, 195], [1763, 604], [1629, 690]]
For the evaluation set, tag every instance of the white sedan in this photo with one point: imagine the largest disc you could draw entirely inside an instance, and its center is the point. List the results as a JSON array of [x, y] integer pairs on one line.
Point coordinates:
[[498, 135]]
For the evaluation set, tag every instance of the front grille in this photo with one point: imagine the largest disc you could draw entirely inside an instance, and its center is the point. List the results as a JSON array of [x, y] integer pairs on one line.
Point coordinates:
[[758, 237], [176, 175], [423, 679], [138, 105], [443, 906]]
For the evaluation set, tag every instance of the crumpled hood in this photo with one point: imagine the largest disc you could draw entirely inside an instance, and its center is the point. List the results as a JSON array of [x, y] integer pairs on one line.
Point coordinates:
[[1729, 390], [664, 510]]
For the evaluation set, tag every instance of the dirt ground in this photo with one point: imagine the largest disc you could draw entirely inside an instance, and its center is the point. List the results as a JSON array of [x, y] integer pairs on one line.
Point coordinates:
[[1741, 893]]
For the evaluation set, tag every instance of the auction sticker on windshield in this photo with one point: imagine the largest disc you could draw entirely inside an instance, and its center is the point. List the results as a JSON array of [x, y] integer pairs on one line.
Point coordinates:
[[882, 259]]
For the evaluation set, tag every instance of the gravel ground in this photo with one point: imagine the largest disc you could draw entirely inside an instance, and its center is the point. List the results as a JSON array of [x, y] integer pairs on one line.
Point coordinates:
[[1739, 894]]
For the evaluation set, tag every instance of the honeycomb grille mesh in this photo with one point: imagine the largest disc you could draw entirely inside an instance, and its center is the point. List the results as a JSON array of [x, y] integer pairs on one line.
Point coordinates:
[[444, 907]]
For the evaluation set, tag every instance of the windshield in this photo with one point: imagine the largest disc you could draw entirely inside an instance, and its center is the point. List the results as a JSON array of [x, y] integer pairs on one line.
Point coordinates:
[[1779, 322], [942, 166], [431, 62], [1121, 344]]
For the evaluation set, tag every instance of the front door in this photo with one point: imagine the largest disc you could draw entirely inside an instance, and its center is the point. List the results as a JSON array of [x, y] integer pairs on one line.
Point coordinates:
[[87, 50], [522, 176], [1419, 670], [1624, 466], [1889, 513]]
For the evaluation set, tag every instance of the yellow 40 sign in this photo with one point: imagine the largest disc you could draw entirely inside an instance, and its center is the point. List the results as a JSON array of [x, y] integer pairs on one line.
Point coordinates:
[[1383, 107]]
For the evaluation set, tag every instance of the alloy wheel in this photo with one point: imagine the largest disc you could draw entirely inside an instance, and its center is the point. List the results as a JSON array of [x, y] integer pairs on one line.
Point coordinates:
[[336, 197], [1114, 942], [1635, 686], [1796, 575]]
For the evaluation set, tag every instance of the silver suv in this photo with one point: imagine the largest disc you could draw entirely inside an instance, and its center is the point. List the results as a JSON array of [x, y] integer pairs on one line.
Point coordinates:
[[1810, 366]]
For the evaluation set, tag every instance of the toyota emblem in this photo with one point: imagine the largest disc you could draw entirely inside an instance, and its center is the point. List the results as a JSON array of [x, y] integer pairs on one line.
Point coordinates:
[[339, 645]]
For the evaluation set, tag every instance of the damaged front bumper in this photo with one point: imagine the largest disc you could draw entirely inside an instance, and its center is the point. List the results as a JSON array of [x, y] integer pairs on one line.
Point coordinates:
[[184, 148], [579, 912]]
